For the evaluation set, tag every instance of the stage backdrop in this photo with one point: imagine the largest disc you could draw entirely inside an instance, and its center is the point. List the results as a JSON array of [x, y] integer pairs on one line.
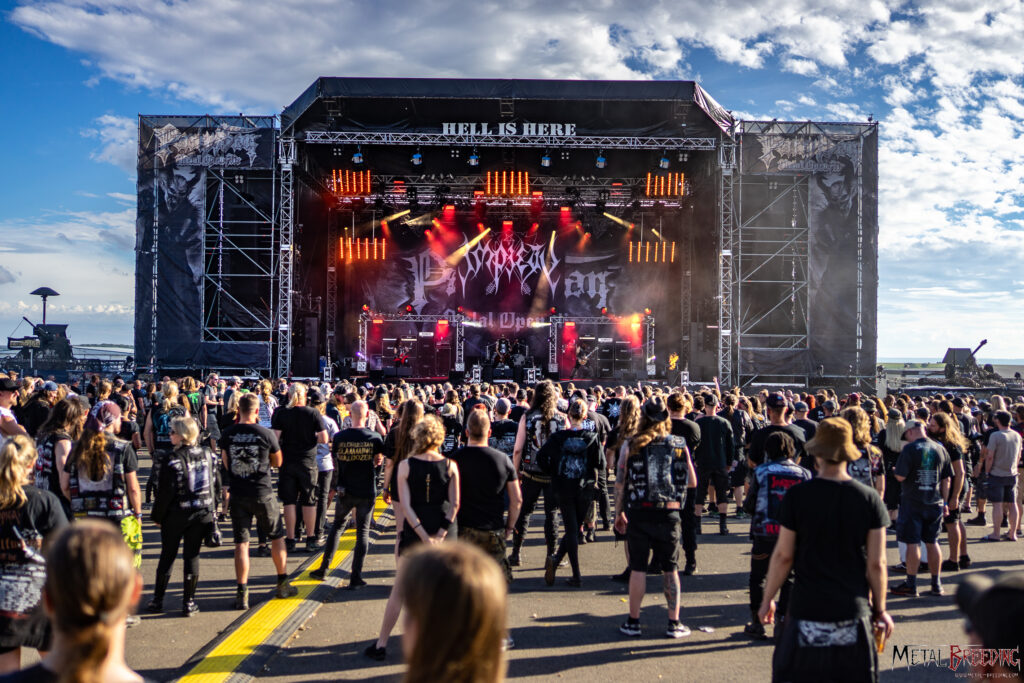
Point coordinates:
[[175, 156], [838, 165], [510, 281]]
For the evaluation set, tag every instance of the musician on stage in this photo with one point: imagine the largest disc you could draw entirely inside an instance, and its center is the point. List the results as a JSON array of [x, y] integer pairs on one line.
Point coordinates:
[[401, 354], [582, 356]]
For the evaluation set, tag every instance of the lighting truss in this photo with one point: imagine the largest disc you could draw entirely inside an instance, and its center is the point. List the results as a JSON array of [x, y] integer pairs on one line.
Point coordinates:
[[334, 137]]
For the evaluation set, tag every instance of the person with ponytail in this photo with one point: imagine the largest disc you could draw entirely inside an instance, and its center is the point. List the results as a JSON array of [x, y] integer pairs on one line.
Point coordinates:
[[27, 517], [101, 477], [157, 432], [88, 623], [183, 509], [55, 440], [429, 489]]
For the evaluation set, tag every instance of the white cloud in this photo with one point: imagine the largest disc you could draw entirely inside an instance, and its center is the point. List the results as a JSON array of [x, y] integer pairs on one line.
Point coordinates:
[[118, 136], [87, 257]]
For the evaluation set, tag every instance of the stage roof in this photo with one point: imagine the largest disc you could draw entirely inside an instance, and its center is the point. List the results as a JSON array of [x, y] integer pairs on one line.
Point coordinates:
[[327, 88]]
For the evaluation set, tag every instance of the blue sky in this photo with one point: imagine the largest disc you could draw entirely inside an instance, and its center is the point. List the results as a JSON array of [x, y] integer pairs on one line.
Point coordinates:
[[945, 79]]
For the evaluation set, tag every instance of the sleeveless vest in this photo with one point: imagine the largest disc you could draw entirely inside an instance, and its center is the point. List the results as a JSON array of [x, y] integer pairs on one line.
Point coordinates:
[[656, 477]]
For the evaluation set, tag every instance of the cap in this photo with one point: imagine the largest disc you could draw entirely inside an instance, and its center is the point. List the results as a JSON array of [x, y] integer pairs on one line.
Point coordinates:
[[958, 402], [49, 386], [833, 441], [314, 397], [8, 384], [776, 400], [107, 412], [829, 405], [994, 609], [911, 424], [893, 414], [868, 406], [655, 410], [800, 407]]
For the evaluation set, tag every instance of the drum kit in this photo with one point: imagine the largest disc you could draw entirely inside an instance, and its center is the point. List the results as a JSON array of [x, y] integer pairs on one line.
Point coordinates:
[[505, 352]]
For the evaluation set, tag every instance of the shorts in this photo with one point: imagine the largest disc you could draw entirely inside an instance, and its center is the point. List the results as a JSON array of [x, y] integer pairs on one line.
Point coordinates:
[[266, 512], [954, 511], [738, 476], [296, 483], [718, 478], [661, 537], [492, 543], [1001, 489], [917, 524]]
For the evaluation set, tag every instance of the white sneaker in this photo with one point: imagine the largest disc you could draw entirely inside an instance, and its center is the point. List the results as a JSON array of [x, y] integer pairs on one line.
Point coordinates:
[[676, 629]]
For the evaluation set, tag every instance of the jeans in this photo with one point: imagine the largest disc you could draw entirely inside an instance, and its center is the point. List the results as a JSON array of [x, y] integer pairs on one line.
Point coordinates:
[[689, 526], [532, 490], [364, 516], [323, 489]]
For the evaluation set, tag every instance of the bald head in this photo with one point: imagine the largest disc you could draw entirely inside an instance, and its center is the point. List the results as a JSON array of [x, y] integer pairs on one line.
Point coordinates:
[[358, 411]]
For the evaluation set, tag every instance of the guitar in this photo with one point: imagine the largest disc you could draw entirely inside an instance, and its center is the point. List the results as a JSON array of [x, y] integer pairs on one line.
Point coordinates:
[[580, 362]]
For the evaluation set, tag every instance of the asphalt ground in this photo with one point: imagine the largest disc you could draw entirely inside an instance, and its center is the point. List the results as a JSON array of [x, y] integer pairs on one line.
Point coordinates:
[[560, 632]]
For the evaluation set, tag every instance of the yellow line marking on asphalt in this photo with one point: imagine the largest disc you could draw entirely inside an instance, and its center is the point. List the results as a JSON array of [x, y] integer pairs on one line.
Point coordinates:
[[220, 663]]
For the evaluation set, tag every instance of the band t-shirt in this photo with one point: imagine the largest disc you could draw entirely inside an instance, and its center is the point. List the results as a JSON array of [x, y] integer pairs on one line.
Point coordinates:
[[484, 473], [354, 450], [831, 520], [299, 426], [503, 436], [924, 464], [249, 447], [689, 430]]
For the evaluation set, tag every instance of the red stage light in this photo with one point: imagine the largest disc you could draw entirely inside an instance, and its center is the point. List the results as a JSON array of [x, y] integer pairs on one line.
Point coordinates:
[[570, 324], [449, 208], [378, 322], [553, 311], [647, 311], [442, 321], [604, 310], [565, 209], [366, 309], [481, 227], [408, 309], [459, 309]]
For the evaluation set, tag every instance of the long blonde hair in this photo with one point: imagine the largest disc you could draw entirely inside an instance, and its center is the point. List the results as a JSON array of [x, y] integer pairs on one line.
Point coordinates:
[[91, 556], [629, 420], [648, 432], [17, 459], [412, 413], [858, 419], [427, 435], [457, 598], [170, 395]]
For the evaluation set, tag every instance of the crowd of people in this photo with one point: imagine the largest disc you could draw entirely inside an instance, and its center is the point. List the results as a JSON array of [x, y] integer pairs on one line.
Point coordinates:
[[817, 480]]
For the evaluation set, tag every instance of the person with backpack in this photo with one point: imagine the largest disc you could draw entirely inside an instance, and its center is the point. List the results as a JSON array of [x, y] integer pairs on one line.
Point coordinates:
[[652, 477], [157, 432], [571, 457], [771, 480], [535, 427], [189, 480]]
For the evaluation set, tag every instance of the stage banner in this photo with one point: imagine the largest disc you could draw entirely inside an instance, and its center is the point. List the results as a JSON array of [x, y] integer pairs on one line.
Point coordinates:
[[841, 161], [174, 155]]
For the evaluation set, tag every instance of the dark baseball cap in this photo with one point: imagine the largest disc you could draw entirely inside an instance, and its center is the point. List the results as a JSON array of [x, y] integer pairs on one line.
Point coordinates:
[[776, 400], [8, 384], [800, 407]]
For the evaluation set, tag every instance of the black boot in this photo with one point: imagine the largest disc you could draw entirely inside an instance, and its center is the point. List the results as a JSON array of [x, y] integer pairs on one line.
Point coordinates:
[[188, 603], [156, 604], [517, 545], [723, 524], [696, 524]]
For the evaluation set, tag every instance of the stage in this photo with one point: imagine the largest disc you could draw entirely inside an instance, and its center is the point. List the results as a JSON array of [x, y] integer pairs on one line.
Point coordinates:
[[487, 227]]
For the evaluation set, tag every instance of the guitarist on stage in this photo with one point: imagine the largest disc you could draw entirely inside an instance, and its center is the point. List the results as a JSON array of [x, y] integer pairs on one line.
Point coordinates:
[[401, 354], [583, 354]]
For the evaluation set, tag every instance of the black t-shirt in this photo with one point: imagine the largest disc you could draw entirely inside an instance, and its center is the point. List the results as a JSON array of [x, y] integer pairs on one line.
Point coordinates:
[[249, 447], [571, 457], [484, 473], [598, 423], [517, 413], [687, 429], [354, 450], [611, 408], [924, 464], [129, 428], [758, 439], [299, 426], [452, 435], [831, 520], [503, 436], [810, 427], [716, 445]]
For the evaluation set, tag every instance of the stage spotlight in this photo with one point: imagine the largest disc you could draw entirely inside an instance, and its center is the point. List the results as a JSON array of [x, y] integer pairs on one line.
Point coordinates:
[[684, 156], [408, 309], [366, 308], [604, 310], [417, 158], [545, 160], [601, 161], [647, 311], [357, 158], [663, 162], [474, 158], [553, 310], [459, 309]]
